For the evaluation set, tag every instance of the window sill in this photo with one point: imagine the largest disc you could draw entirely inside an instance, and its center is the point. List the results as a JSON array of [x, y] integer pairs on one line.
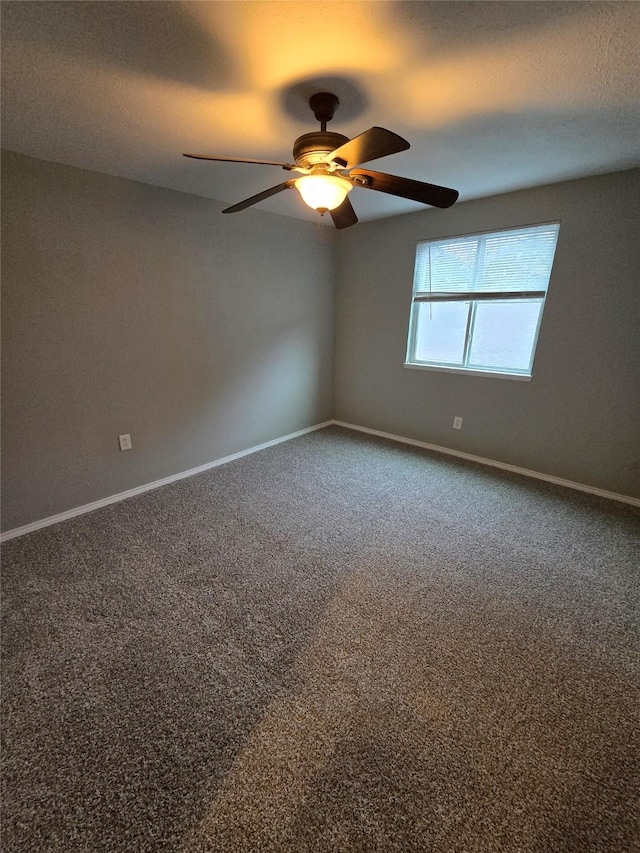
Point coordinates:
[[496, 374]]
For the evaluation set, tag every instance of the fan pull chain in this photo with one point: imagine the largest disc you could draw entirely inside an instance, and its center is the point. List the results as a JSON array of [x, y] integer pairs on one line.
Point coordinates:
[[321, 235]]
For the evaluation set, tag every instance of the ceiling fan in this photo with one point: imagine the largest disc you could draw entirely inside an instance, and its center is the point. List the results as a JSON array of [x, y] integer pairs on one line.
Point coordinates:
[[326, 161]]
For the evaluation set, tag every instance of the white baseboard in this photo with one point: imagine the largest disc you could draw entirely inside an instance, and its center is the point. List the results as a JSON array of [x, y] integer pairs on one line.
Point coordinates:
[[558, 481], [138, 490]]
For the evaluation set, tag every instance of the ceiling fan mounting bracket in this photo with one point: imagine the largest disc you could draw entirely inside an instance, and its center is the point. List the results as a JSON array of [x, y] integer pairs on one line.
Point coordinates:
[[323, 105]]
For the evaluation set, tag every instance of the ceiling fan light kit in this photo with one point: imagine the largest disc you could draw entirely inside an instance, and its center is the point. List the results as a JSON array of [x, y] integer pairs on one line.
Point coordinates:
[[325, 160], [323, 192]]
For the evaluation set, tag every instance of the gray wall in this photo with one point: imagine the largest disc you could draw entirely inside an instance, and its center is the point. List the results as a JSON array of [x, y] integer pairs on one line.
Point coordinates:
[[579, 416], [131, 308]]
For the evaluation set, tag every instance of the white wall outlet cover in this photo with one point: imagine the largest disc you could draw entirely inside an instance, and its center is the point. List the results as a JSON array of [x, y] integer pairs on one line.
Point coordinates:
[[457, 422], [125, 441]]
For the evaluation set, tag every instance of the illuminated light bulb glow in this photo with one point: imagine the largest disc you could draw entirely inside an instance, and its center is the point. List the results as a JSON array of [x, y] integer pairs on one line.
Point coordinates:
[[323, 192]]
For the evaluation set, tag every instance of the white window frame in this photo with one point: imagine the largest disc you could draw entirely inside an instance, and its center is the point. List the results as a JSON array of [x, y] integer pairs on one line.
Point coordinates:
[[474, 298]]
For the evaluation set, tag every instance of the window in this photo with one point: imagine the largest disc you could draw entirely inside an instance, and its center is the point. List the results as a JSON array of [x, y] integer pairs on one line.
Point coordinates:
[[478, 301]]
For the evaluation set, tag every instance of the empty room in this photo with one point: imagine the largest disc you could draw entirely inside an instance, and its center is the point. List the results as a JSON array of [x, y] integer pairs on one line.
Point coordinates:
[[320, 427]]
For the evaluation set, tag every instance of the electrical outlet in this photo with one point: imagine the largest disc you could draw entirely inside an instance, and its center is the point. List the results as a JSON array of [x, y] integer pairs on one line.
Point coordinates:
[[457, 422], [125, 441]]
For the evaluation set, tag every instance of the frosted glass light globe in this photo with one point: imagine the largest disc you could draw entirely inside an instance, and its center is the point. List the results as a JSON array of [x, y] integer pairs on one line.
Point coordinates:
[[323, 192]]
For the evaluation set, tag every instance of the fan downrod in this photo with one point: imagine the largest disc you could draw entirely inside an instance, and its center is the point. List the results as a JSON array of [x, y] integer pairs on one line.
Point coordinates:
[[323, 105]]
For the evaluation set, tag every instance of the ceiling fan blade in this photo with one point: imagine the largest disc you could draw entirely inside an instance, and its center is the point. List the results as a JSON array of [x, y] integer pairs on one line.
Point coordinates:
[[373, 143], [406, 188], [345, 215], [288, 166], [241, 205]]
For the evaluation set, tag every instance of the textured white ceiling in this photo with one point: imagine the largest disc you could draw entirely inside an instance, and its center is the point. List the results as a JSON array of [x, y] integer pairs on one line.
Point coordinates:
[[492, 96]]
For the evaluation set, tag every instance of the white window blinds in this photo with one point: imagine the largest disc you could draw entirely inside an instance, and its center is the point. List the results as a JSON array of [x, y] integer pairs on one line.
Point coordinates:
[[506, 264]]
